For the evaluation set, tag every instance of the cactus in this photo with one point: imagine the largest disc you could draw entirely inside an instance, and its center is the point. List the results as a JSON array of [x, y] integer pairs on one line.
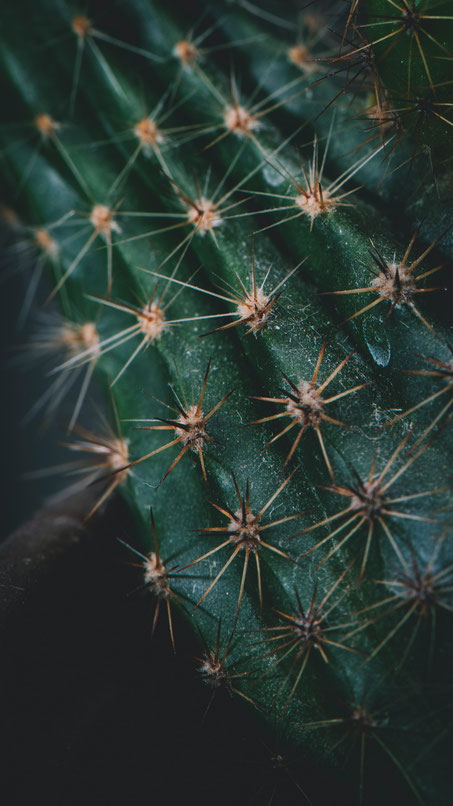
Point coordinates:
[[239, 213]]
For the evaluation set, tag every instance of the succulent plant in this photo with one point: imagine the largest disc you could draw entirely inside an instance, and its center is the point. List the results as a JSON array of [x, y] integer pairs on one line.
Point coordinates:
[[241, 208]]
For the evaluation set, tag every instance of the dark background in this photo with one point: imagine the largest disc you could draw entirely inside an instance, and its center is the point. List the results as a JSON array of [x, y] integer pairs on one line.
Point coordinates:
[[95, 712]]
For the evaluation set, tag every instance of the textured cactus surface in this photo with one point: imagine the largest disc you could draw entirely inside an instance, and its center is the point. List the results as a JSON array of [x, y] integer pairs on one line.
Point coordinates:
[[244, 211]]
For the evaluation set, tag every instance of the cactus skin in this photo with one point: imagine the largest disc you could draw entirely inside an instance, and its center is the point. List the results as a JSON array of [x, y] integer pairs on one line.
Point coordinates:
[[372, 690]]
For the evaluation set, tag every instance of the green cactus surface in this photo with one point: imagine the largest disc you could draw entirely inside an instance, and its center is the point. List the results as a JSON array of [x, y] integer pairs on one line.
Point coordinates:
[[244, 212]]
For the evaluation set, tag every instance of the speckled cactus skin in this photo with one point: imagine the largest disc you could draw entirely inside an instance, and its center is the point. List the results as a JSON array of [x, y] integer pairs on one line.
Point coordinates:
[[300, 377]]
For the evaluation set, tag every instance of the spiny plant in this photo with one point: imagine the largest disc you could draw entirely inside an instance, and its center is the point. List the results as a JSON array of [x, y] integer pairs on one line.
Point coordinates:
[[267, 166]]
